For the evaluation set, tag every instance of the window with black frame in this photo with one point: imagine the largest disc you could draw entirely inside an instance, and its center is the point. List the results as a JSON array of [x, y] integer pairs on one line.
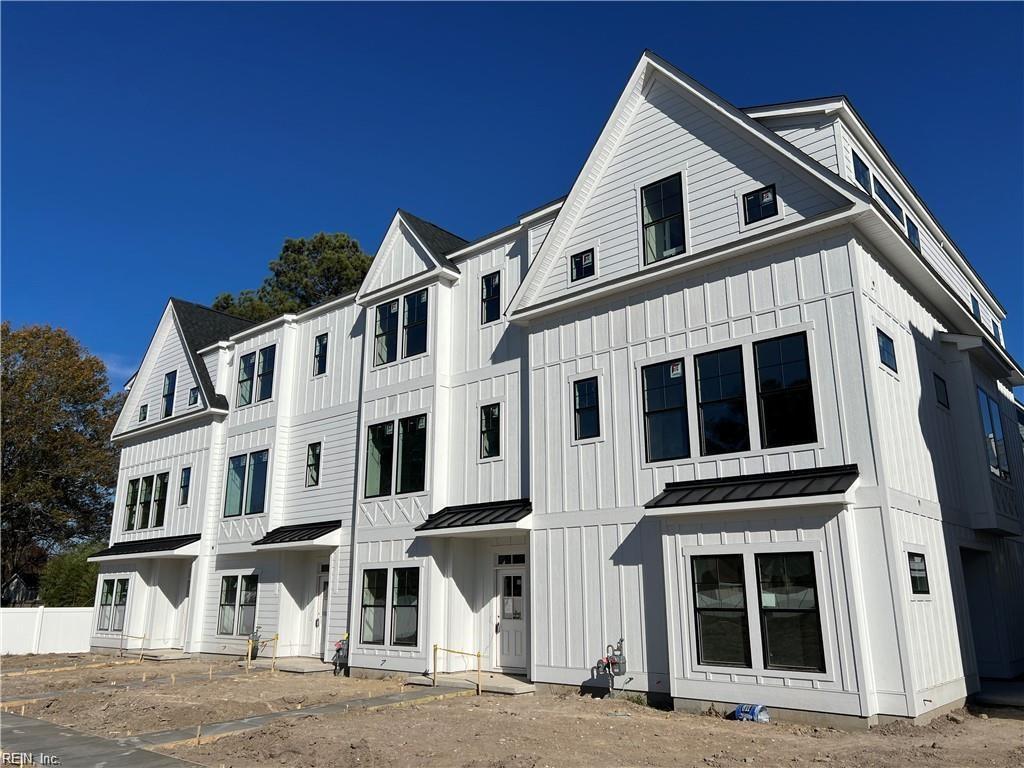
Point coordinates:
[[160, 499], [722, 402], [374, 595], [760, 204], [256, 483], [193, 396], [120, 605], [415, 324], [861, 172], [918, 574], [143, 412], [412, 454], [490, 430], [106, 604], [145, 501], [784, 398], [130, 504], [380, 444], [665, 424], [888, 200], [320, 355], [913, 234], [184, 486], [581, 265], [312, 465], [405, 593], [385, 334], [720, 608], [790, 623], [265, 373], [887, 351], [992, 426], [170, 382], [228, 600], [247, 604], [246, 373], [490, 298], [585, 407], [661, 206]]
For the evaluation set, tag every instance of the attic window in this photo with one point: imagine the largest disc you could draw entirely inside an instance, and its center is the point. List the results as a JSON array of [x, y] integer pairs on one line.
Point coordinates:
[[581, 265], [661, 206], [760, 204], [193, 396], [143, 412], [861, 172], [975, 307], [888, 200], [913, 234]]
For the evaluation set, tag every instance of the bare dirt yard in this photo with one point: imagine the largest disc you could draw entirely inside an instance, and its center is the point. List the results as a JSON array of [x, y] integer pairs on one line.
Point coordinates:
[[538, 731]]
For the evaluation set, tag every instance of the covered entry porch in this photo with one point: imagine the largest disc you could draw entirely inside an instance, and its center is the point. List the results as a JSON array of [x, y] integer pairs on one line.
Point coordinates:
[[482, 554]]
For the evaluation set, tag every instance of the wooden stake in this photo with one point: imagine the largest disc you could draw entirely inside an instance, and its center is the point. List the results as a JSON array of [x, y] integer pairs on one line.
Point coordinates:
[[172, 678], [143, 677], [199, 733], [22, 710], [211, 671]]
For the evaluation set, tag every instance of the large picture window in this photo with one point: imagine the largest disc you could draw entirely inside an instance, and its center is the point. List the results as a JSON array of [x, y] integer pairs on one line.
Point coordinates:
[[385, 334], [490, 430], [237, 612], [375, 585], [585, 408], [490, 298], [246, 491], [412, 454], [265, 373], [722, 402], [784, 396], [992, 426], [720, 605], [665, 424], [170, 381], [246, 373], [405, 593], [661, 204], [415, 324], [790, 624], [380, 443]]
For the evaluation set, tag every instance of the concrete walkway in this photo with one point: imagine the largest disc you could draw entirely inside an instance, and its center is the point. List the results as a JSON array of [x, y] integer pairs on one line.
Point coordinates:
[[490, 682], [40, 739]]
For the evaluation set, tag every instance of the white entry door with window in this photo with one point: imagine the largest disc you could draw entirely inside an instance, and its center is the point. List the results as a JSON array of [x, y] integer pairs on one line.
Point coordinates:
[[320, 616], [511, 621]]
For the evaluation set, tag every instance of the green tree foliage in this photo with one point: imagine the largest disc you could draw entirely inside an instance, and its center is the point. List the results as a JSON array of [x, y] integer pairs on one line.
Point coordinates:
[[69, 579], [308, 271], [59, 467]]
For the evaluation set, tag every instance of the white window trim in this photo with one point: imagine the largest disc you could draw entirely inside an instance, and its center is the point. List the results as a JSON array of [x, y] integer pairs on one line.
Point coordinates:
[[322, 439], [683, 171], [421, 608], [753, 601], [602, 407], [256, 375], [884, 328], [191, 479], [400, 343], [238, 597], [484, 272], [231, 454], [152, 501], [918, 549], [312, 357], [589, 245], [778, 218], [365, 438], [114, 576], [502, 431], [199, 398], [638, 397]]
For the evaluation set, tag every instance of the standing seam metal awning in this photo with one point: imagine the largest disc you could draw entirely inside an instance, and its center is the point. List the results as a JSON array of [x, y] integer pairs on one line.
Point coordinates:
[[305, 535], [804, 484], [507, 514], [163, 546]]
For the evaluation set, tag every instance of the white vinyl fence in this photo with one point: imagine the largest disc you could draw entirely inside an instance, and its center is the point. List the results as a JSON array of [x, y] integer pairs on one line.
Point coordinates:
[[45, 630]]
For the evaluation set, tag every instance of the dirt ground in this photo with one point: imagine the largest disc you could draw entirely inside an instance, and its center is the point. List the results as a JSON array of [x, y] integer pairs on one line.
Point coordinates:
[[539, 731]]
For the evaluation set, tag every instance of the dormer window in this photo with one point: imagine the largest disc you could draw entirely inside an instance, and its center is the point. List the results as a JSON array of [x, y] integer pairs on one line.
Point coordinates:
[[415, 324], [661, 204], [581, 265], [143, 412], [760, 204], [385, 335], [193, 396]]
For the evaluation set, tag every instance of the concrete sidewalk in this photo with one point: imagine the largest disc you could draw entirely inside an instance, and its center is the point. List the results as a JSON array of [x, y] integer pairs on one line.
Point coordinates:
[[40, 739]]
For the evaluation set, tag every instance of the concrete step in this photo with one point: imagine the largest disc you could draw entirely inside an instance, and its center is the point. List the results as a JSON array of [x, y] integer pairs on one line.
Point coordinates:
[[166, 654], [301, 665], [490, 682]]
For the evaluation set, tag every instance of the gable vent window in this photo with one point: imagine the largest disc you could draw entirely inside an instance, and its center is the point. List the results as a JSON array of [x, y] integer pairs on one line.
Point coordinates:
[[265, 373], [941, 393], [665, 423], [887, 351], [143, 412], [581, 265], [722, 402], [918, 574], [385, 335], [662, 208], [913, 234], [861, 173], [585, 405], [760, 204], [784, 395], [170, 380], [193, 396], [490, 298], [888, 200], [992, 425], [415, 325], [320, 355]]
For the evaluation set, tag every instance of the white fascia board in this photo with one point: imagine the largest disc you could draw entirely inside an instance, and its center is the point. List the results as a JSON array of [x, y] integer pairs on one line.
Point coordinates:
[[800, 502], [408, 284], [264, 326], [668, 268], [543, 212], [173, 421], [478, 531], [497, 237], [188, 551], [825, 105]]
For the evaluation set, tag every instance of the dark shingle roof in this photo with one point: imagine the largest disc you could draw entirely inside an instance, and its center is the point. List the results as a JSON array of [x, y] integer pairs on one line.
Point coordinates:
[[761, 487], [201, 327], [141, 546], [488, 513], [289, 534], [441, 242]]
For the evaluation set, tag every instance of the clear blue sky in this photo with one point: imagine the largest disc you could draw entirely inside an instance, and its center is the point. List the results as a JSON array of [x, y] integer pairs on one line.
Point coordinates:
[[158, 150]]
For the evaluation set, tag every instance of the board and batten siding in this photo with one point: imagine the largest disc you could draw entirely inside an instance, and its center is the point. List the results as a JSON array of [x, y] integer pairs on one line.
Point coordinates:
[[399, 258], [670, 133]]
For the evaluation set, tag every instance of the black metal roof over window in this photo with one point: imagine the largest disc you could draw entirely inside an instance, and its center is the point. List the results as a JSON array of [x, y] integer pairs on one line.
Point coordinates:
[[289, 534], [162, 544], [490, 513], [797, 483]]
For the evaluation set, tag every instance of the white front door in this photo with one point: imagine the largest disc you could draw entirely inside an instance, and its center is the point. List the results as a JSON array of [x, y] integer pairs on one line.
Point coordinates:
[[320, 614], [511, 623]]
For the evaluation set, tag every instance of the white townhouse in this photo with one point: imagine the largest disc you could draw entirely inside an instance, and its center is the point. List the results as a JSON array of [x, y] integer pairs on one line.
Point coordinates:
[[737, 399]]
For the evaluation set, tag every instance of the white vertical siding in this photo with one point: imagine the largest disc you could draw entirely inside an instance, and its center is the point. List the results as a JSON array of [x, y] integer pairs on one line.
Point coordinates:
[[400, 257]]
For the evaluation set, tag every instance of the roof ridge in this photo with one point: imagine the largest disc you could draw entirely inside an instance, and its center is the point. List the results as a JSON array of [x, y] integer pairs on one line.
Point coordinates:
[[420, 219], [197, 305]]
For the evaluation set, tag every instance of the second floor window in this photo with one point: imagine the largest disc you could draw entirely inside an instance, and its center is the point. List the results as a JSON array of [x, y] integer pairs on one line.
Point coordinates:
[[312, 465], [380, 446], [246, 372], [415, 324], [184, 486], [992, 426], [131, 504], [170, 380], [160, 499], [661, 204], [490, 297], [861, 172], [913, 234], [918, 574], [722, 402], [412, 454], [320, 355], [146, 502], [385, 334], [265, 373], [490, 430], [784, 396], [888, 200], [246, 491], [665, 424], [585, 408]]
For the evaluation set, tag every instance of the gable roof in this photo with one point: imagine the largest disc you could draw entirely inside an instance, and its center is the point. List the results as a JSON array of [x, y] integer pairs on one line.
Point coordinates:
[[616, 126], [438, 241], [200, 327]]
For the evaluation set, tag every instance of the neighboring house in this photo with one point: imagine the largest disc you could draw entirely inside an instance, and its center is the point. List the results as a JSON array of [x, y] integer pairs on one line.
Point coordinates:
[[737, 399], [20, 589]]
